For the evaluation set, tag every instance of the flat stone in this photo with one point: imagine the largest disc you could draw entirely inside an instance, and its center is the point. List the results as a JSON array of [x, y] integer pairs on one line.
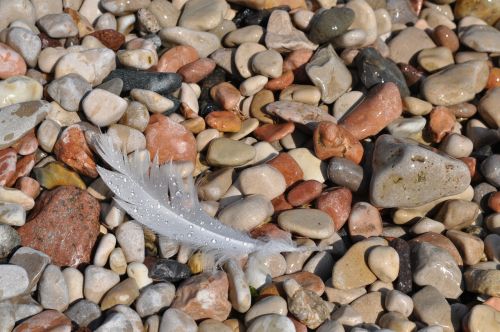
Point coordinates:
[[299, 113], [435, 266], [205, 43], [374, 69], [370, 306], [227, 152], [431, 307], [262, 179], [402, 51], [13, 281], [45, 321], [162, 83], [310, 223], [481, 38], [63, 218], [449, 86], [55, 174], [351, 271], [281, 35], [17, 120], [391, 188], [247, 213]]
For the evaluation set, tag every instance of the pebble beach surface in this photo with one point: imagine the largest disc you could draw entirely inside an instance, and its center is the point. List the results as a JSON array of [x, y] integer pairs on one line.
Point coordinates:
[[367, 129]]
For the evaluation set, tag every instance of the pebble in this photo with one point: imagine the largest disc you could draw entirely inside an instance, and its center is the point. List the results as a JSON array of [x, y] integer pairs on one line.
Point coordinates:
[[239, 216], [299, 113], [312, 167], [470, 247], [457, 213], [380, 107], [490, 170], [248, 34], [427, 171], [13, 281], [268, 63], [203, 42], [227, 152], [369, 307], [436, 58], [364, 19], [449, 86], [310, 223], [274, 322], [12, 214], [98, 281], [268, 305], [486, 107], [431, 307], [374, 69], [337, 203], [397, 301], [83, 312], [52, 289], [364, 221], [271, 184], [93, 65], [401, 52], [154, 102], [58, 25], [123, 293], [282, 36], [481, 38], [435, 266], [168, 140], [384, 263], [331, 140], [46, 320], [12, 62], [74, 281], [444, 36], [327, 71], [351, 271], [204, 296], [224, 121], [115, 321], [26, 43], [330, 23], [482, 317]]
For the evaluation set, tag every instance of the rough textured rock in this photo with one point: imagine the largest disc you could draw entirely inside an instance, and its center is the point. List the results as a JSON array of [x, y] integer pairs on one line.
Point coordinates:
[[64, 224]]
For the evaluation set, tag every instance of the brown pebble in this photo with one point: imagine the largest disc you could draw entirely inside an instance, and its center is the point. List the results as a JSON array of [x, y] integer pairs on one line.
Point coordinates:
[[273, 132], [494, 202], [444, 36], [305, 279], [331, 140], [110, 38], [296, 59], [72, 149], [269, 230], [176, 57], [195, 125], [27, 144], [280, 204], [49, 42], [441, 122], [197, 70], [48, 320], [288, 167], [169, 140], [381, 106], [471, 165], [337, 203], [29, 186], [304, 192], [279, 83], [412, 75], [493, 78], [226, 95], [224, 121], [24, 166], [64, 224]]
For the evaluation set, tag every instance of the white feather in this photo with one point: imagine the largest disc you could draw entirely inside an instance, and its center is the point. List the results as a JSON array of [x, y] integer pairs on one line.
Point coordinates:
[[158, 198]]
